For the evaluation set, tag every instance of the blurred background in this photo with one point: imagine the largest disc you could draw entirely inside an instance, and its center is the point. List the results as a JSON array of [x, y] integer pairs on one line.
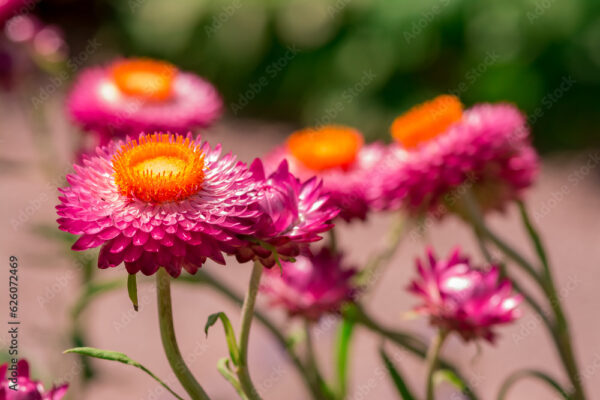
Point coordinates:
[[280, 65]]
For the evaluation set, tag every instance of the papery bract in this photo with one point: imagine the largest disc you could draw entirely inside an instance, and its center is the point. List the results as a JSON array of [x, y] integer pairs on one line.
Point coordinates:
[[458, 297], [486, 150], [294, 213], [352, 173], [141, 95], [159, 200], [313, 285]]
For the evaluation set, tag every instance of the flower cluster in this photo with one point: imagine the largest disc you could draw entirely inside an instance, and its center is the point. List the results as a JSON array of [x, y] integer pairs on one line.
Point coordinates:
[[172, 201]]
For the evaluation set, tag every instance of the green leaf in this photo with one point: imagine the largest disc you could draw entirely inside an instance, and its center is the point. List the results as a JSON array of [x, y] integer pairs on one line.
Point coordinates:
[[531, 373], [234, 352], [344, 339], [224, 368], [446, 375], [119, 357], [132, 289], [401, 386]]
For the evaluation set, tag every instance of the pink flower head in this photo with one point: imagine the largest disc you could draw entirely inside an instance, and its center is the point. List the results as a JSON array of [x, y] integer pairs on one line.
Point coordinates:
[[294, 213], [27, 389], [458, 297], [313, 285], [441, 148], [160, 200], [351, 172], [141, 95]]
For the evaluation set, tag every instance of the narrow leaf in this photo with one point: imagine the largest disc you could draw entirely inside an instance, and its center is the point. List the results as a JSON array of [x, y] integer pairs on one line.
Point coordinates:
[[446, 375], [342, 354], [234, 352], [531, 373], [132, 289], [401, 386], [119, 357], [225, 370]]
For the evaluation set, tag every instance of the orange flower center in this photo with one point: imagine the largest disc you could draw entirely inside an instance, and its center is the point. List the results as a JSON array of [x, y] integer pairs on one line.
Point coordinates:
[[159, 168], [426, 121], [326, 147], [144, 78]]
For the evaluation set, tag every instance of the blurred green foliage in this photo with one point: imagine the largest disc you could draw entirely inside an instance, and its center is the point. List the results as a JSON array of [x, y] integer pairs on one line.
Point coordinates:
[[361, 62]]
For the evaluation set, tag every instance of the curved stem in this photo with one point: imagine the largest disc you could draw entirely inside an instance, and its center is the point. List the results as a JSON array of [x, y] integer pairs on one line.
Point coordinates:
[[405, 340], [206, 278], [561, 331], [432, 360], [476, 219], [512, 379], [169, 341], [247, 314]]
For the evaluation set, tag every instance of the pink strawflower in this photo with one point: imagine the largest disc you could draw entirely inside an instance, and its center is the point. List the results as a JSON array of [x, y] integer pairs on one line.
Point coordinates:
[[27, 389], [160, 200], [458, 297], [351, 172], [442, 150], [141, 95], [294, 213], [313, 285]]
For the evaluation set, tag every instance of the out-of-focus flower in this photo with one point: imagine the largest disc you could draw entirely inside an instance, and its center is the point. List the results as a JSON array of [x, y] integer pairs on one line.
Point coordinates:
[[44, 44], [9, 8], [313, 285], [161, 200], [134, 95], [458, 297], [294, 213], [27, 389], [351, 171], [440, 147]]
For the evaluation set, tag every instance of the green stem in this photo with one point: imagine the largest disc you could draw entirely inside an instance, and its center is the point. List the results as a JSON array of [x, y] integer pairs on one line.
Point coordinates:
[[313, 367], [333, 242], [405, 340], [206, 278], [169, 341], [432, 360], [561, 331], [476, 218], [247, 315]]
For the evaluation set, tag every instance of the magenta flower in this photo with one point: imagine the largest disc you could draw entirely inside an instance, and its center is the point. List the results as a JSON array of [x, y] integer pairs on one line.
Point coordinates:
[[294, 213], [161, 200], [352, 173], [458, 297], [313, 285], [440, 148], [27, 389], [141, 95]]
